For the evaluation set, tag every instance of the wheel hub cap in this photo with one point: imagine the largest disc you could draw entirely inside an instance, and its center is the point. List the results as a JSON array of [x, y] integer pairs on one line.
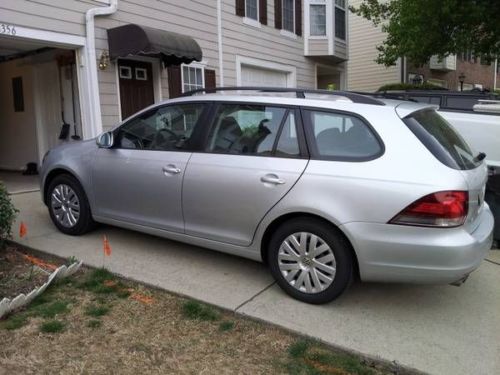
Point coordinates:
[[307, 262], [65, 205]]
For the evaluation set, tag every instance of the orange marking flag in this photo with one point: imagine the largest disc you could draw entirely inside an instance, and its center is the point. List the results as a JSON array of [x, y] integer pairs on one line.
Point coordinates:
[[39, 262], [107, 247], [23, 231], [142, 298]]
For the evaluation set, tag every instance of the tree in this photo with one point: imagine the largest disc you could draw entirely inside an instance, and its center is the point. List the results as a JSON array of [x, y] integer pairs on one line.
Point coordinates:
[[418, 29]]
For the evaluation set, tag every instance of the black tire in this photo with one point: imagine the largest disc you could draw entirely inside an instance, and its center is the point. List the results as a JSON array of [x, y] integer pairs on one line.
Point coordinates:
[[335, 240], [85, 223]]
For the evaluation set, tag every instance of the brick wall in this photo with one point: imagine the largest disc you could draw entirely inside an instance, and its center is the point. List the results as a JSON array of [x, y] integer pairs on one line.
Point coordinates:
[[475, 73]]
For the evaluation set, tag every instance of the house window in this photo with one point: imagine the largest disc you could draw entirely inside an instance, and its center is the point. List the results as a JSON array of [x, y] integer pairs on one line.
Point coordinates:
[[340, 24], [251, 9], [317, 18], [289, 15], [193, 77], [468, 56]]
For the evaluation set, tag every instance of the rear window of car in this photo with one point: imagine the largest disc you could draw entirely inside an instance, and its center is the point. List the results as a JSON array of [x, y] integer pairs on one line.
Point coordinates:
[[441, 139]]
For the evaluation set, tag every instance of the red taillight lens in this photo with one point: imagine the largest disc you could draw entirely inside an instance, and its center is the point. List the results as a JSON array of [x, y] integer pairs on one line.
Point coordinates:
[[441, 209]]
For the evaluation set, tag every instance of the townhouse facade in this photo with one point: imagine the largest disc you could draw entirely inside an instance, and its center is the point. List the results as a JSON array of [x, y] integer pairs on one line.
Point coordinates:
[[461, 72], [464, 71], [74, 68]]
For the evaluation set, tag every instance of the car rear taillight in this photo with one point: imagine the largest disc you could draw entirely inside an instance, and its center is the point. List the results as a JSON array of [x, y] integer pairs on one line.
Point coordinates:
[[443, 209]]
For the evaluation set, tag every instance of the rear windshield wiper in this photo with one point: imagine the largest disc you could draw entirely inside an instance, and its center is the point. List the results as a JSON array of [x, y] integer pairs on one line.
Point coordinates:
[[479, 157]]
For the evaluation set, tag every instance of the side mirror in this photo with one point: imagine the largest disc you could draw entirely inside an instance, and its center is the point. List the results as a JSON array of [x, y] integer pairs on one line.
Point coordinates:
[[105, 140]]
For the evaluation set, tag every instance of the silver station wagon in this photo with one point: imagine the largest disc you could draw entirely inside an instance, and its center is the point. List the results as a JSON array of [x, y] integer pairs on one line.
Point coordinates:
[[323, 187]]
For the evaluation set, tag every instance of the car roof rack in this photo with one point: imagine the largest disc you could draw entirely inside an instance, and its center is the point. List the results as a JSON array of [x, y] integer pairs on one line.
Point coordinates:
[[300, 93]]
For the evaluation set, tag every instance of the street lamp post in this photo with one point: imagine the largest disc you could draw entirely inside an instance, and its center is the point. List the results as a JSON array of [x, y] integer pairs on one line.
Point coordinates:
[[461, 79]]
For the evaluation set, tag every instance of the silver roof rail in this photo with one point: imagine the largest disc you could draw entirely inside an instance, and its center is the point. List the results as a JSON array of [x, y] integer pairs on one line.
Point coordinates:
[[300, 93]]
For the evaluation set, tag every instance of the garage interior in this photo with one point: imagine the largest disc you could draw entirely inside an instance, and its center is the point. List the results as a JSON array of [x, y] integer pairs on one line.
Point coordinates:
[[39, 107]]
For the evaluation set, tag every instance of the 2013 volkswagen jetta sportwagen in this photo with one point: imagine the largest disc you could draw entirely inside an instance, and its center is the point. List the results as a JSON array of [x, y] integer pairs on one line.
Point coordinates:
[[322, 187]]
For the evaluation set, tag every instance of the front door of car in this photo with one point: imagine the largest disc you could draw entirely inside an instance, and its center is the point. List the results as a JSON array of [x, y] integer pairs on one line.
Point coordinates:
[[139, 179], [251, 160]]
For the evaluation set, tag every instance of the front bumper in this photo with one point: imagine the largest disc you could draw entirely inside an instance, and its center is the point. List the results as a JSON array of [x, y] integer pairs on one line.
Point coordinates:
[[396, 253]]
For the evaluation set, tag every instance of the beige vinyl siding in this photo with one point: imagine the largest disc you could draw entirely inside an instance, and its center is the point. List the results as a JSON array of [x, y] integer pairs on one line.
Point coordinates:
[[59, 16], [264, 43], [363, 73], [318, 47], [340, 49]]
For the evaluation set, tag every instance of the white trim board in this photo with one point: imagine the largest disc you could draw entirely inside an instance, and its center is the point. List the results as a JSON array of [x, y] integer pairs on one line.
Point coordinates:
[[61, 39], [291, 70]]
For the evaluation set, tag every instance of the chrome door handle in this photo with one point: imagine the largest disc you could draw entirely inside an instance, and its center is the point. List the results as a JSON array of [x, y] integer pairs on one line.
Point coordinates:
[[171, 169], [272, 179]]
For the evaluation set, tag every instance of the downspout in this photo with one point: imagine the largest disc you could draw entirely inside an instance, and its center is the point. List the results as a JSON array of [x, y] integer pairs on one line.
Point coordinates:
[[219, 40], [93, 92]]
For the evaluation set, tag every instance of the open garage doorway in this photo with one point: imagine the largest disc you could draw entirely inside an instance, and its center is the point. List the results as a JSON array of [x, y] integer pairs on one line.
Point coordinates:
[[39, 107], [329, 77]]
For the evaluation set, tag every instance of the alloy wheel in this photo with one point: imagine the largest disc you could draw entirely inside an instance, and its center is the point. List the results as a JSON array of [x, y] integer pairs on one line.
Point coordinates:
[[65, 205]]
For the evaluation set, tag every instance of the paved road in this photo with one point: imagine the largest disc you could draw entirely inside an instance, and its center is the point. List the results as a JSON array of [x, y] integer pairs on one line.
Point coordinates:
[[435, 329]]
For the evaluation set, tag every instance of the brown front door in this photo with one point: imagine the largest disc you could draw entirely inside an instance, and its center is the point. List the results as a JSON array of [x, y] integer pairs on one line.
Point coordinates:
[[136, 86]]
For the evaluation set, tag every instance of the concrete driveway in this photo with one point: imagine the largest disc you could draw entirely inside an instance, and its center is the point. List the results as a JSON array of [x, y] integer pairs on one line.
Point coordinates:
[[435, 329]]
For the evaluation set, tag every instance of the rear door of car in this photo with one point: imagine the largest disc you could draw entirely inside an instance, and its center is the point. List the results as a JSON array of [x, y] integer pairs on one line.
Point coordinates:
[[253, 155]]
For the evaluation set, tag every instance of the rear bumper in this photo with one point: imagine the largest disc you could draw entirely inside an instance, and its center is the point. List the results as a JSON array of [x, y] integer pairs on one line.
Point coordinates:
[[395, 253]]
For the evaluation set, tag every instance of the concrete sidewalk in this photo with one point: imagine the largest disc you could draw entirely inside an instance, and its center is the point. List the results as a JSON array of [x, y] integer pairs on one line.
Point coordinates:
[[435, 329]]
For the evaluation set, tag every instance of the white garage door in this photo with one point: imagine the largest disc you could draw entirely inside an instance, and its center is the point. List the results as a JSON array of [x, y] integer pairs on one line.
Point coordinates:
[[254, 76]]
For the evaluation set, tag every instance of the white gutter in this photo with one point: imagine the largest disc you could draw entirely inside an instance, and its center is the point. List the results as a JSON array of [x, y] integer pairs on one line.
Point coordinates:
[[91, 58], [219, 40]]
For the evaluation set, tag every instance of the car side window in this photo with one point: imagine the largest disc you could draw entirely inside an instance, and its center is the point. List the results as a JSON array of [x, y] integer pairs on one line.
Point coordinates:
[[245, 129], [167, 128], [341, 136]]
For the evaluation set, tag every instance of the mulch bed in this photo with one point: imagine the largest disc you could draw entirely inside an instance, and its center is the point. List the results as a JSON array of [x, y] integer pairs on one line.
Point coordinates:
[[21, 272]]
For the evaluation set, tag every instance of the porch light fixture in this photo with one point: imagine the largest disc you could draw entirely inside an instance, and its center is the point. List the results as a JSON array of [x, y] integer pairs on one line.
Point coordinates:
[[104, 60]]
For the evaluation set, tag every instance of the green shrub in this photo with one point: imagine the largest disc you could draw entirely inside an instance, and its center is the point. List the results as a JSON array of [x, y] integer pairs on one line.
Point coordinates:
[[7, 215], [409, 86]]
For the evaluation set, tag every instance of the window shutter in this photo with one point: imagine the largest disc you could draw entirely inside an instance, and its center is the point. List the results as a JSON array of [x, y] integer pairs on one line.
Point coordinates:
[[263, 12], [240, 8], [278, 14], [210, 79], [174, 81], [298, 17]]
